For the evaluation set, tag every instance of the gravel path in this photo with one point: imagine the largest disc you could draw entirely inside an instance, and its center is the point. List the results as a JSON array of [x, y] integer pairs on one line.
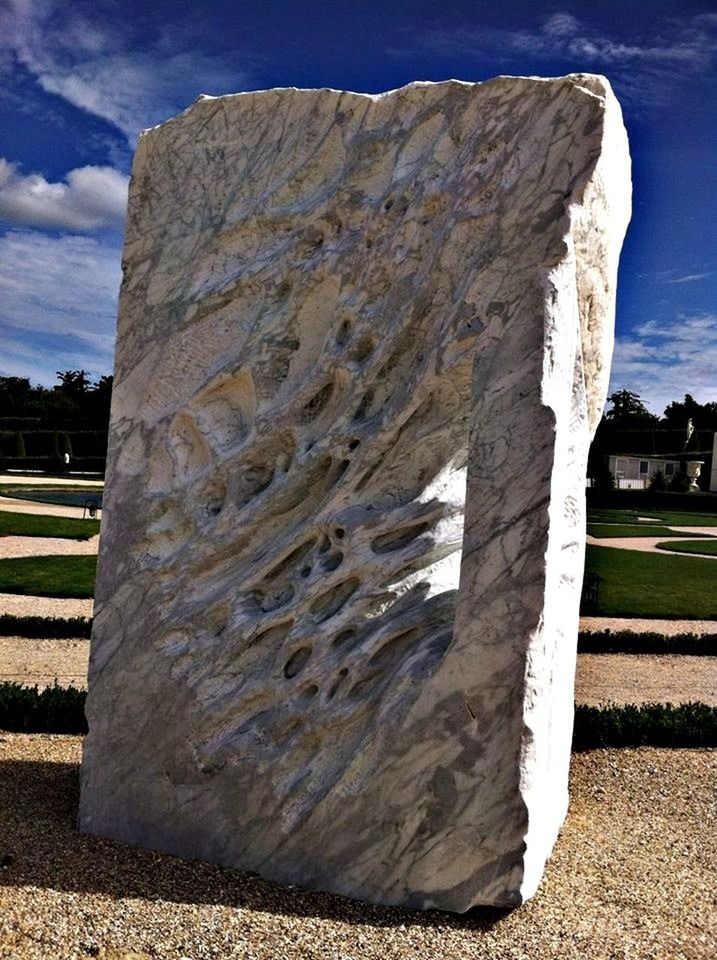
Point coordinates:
[[43, 481], [628, 678], [21, 606], [641, 625], [42, 662], [631, 878], [647, 544], [46, 546], [46, 509]]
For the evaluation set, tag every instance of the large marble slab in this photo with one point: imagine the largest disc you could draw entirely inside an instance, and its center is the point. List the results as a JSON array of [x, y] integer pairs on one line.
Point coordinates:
[[363, 344]]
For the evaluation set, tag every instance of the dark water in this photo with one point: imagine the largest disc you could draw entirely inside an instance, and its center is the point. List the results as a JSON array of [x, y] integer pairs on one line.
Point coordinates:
[[67, 498]]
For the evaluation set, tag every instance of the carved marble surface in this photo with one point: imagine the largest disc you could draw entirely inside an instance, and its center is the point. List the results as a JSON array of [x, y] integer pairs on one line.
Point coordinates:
[[363, 342]]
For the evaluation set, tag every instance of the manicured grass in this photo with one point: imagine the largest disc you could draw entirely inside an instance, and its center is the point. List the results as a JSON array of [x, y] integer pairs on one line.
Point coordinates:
[[680, 519], [653, 585], [49, 576], [637, 530], [41, 628], [706, 547], [32, 525]]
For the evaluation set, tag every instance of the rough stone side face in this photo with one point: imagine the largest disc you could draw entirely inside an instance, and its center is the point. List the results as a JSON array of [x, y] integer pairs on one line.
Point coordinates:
[[363, 342]]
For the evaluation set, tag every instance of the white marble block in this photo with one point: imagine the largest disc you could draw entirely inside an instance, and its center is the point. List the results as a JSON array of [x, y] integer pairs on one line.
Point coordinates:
[[363, 344]]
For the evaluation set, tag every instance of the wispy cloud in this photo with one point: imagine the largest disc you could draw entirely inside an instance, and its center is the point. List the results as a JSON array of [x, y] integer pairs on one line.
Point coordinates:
[[91, 198], [690, 278], [674, 48], [58, 300], [107, 70], [662, 362]]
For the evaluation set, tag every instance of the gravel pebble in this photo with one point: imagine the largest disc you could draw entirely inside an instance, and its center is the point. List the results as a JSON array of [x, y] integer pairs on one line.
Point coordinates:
[[645, 678], [11, 547], [640, 625], [23, 606], [632, 878]]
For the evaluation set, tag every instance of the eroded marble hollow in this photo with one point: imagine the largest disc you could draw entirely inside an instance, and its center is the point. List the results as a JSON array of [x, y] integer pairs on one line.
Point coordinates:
[[363, 343]]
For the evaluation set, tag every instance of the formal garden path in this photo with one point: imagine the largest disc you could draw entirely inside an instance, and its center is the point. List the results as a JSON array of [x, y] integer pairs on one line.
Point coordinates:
[[41, 509], [649, 544]]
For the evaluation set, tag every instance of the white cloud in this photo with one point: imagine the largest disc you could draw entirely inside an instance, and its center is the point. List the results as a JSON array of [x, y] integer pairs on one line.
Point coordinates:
[[561, 25], [655, 58], [690, 278], [109, 73], [90, 199], [662, 362], [58, 302]]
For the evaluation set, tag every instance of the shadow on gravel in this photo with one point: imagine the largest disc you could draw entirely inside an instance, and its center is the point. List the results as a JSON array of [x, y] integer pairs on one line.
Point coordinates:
[[40, 846]]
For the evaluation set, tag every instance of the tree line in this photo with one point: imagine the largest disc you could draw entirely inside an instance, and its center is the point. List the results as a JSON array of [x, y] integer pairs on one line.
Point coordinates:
[[75, 397], [628, 411]]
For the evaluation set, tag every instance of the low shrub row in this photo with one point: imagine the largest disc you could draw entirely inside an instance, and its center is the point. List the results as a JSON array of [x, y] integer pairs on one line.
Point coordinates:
[[52, 710], [625, 641], [650, 724], [61, 710], [45, 628]]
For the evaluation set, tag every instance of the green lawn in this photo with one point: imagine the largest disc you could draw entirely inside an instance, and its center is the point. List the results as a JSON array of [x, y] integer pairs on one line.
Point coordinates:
[[680, 519], [692, 546], [70, 576], [650, 585], [31, 525], [636, 530]]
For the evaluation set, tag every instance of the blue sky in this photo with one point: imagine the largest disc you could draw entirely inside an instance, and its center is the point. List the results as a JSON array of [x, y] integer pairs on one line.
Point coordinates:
[[80, 79]]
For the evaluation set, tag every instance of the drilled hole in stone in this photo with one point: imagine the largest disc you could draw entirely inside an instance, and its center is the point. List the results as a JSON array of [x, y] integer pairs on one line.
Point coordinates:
[[309, 691], [343, 334], [395, 539], [362, 409], [395, 648], [318, 402], [364, 349], [296, 662], [291, 558], [274, 635], [305, 572], [340, 677], [342, 468], [333, 560], [369, 243], [330, 602], [340, 533], [354, 443], [325, 544], [387, 205], [363, 686], [346, 636], [276, 598]]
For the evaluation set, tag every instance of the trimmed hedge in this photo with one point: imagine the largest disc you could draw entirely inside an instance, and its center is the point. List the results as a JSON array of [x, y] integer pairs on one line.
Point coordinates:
[[52, 710], [650, 724], [61, 710], [625, 641], [45, 628]]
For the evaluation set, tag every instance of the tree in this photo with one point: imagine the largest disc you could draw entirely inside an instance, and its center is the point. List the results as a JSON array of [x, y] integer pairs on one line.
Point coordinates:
[[74, 384], [628, 409], [703, 415]]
